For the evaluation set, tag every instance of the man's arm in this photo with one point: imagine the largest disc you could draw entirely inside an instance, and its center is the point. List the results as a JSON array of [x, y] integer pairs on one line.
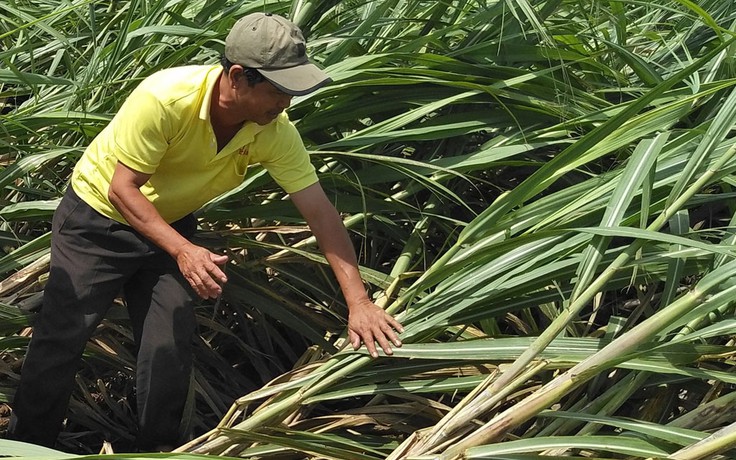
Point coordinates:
[[198, 265], [366, 321]]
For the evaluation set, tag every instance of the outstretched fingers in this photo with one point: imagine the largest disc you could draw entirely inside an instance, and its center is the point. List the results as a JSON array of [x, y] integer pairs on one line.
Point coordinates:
[[371, 325]]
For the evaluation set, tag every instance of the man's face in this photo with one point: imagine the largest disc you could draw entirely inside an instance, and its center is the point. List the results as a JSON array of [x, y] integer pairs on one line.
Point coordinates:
[[260, 103]]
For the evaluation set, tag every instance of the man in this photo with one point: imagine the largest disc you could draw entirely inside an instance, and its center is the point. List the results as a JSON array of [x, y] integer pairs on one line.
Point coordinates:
[[183, 137]]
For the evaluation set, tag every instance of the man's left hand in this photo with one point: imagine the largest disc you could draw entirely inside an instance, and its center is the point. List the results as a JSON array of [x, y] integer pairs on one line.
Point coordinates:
[[369, 323]]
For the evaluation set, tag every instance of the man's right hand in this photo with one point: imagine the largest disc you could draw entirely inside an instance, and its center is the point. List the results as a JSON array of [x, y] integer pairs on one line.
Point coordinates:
[[202, 269]]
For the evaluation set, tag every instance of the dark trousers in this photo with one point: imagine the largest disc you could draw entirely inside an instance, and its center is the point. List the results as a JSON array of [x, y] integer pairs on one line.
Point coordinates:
[[93, 260]]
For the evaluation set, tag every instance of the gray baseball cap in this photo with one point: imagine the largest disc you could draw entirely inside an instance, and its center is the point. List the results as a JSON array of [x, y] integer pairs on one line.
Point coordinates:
[[276, 48]]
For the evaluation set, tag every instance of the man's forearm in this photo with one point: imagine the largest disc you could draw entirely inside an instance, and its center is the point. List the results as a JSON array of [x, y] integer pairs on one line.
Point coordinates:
[[367, 322], [200, 267], [338, 250], [145, 219]]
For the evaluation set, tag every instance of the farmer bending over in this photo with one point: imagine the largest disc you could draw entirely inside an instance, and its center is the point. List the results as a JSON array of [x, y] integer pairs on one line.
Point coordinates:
[[183, 137]]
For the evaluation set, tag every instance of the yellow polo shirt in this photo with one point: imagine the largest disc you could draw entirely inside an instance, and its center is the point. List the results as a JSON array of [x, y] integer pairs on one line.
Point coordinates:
[[164, 129]]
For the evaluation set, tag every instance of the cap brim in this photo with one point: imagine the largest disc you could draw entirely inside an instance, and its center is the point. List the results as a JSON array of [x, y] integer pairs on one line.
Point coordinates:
[[297, 81]]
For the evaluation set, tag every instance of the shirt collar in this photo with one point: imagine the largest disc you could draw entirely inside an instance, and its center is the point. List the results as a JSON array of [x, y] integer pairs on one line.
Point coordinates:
[[247, 133], [209, 82]]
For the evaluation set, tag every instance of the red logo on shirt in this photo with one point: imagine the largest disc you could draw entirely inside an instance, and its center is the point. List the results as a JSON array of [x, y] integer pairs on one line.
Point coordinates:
[[243, 151]]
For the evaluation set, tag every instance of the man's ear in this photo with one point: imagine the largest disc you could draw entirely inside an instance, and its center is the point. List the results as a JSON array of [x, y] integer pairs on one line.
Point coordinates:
[[236, 75]]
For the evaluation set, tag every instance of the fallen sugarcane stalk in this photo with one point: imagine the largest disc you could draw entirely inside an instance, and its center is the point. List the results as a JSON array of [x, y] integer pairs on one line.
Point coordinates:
[[618, 351]]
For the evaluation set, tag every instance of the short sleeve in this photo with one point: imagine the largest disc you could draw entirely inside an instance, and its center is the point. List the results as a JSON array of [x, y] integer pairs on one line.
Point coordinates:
[[141, 131], [282, 153]]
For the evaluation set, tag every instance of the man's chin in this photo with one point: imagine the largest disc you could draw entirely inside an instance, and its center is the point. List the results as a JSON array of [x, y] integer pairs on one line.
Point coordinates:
[[269, 118]]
